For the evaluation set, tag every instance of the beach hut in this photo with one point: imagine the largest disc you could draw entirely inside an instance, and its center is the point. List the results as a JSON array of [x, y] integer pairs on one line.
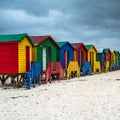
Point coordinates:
[[15, 56], [100, 56], [117, 56], [80, 55], [113, 61], [107, 53], [66, 57], [91, 57], [45, 51], [65, 53]]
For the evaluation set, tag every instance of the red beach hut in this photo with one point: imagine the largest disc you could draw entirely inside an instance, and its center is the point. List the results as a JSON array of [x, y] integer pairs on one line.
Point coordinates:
[[80, 53]]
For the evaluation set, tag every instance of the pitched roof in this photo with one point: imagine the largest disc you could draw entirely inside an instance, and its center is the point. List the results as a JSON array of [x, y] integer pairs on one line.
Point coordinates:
[[89, 46], [40, 39], [62, 43], [105, 50], [77, 45], [14, 37]]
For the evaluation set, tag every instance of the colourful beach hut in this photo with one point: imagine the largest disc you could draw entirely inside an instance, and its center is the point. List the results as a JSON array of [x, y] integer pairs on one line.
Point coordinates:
[[113, 61], [107, 53], [80, 53], [100, 56], [15, 55], [66, 57], [91, 57], [65, 53], [117, 59], [45, 51]]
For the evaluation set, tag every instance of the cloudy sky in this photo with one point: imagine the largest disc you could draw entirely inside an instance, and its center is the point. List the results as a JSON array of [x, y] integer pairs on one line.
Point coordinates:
[[89, 21]]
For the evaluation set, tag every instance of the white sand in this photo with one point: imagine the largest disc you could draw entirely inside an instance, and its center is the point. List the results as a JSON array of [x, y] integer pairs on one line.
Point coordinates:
[[95, 97]]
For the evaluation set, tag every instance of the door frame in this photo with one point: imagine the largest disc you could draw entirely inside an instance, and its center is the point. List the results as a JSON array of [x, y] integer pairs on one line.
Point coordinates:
[[27, 58], [44, 57]]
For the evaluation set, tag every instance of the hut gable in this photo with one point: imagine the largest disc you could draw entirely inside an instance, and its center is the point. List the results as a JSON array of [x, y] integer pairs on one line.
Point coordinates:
[[106, 50], [65, 44], [79, 46], [41, 39], [90, 47]]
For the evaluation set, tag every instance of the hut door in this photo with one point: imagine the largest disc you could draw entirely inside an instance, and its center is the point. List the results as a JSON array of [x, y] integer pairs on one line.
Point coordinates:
[[79, 58], [82, 58], [92, 59], [65, 59], [103, 59], [44, 58], [112, 58], [27, 59], [68, 58], [49, 54]]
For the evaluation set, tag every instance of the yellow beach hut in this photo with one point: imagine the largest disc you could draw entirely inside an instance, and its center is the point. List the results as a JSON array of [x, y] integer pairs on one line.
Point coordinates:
[[91, 57]]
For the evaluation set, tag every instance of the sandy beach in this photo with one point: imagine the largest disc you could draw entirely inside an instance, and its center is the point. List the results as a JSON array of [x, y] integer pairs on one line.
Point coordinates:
[[95, 97]]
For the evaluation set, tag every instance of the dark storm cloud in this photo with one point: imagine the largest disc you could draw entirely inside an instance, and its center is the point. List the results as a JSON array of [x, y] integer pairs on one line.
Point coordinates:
[[92, 21]]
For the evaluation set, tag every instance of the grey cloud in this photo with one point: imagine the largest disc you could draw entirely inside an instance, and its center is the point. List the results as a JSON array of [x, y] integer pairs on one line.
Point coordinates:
[[96, 21]]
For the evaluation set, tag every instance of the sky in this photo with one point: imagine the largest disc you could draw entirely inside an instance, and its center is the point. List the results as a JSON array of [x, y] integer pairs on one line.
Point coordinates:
[[94, 22]]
